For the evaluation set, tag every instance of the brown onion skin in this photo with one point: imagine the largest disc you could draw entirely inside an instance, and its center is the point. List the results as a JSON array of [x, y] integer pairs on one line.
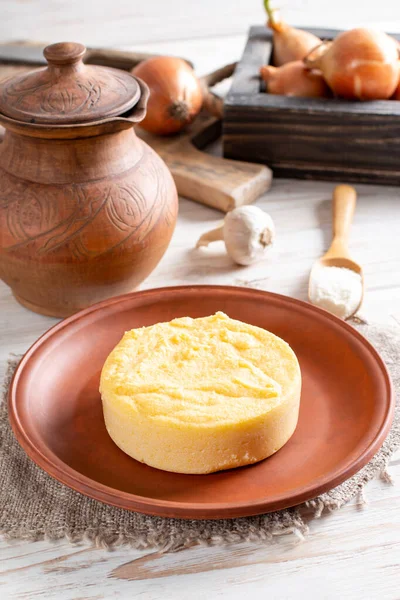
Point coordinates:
[[175, 94], [293, 79], [291, 44], [360, 64]]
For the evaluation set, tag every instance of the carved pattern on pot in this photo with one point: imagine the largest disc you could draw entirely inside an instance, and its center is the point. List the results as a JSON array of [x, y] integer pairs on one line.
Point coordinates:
[[40, 219], [55, 97], [57, 100], [65, 101]]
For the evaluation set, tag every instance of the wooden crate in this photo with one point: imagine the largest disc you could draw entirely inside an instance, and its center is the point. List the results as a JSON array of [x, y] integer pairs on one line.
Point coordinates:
[[309, 138]]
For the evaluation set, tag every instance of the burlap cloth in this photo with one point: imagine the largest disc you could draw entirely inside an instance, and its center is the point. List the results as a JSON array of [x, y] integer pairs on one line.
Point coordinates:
[[34, 506]]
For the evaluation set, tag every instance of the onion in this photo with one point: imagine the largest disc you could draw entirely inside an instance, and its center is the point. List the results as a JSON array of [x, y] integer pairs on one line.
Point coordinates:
[[293, 79], [175, 94], [359, 64], [289, 43]]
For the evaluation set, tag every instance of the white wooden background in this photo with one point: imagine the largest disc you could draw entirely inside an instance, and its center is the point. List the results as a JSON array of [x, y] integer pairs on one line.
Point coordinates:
[[352, 554], [130, 22]]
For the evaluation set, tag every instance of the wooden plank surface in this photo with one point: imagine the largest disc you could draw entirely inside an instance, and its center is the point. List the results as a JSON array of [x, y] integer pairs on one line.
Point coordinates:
[[353, 554], [340, 560], [128, 22]]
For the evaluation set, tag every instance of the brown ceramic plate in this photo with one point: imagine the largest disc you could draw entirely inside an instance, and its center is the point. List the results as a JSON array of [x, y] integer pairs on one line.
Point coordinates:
[[346, 406]]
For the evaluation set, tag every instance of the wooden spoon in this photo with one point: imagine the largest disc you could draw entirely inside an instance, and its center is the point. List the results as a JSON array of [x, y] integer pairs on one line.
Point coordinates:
[[338, 255]]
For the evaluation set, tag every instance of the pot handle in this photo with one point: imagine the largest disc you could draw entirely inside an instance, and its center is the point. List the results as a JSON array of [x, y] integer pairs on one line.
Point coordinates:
[[139, 111]]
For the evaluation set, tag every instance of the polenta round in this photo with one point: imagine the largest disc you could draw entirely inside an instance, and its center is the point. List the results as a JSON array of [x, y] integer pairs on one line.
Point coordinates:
[[200, 395]]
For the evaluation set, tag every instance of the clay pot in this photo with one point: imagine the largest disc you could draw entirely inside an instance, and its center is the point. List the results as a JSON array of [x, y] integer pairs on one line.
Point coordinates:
[[87, 209]]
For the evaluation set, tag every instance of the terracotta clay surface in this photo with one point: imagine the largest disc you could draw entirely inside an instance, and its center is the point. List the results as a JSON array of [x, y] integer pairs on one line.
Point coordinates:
[[345, 412], [87, 209], [68, 91]]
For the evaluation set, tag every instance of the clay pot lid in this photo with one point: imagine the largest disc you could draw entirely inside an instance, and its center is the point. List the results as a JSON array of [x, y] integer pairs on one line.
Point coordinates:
[[67, 91]]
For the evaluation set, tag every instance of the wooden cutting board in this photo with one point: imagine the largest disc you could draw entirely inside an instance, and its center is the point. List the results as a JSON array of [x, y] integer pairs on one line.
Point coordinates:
[[211, 180], [217, 182]]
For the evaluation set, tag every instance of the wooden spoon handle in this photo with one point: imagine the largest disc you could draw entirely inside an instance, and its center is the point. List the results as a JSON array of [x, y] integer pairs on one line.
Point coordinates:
[[344, 204]]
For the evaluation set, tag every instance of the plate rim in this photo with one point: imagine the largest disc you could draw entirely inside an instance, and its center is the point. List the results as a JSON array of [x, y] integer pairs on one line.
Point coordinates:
[[100, 492]]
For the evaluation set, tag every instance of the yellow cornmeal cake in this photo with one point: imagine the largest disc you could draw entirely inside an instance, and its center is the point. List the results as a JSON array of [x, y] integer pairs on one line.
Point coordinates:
[[200, 395]]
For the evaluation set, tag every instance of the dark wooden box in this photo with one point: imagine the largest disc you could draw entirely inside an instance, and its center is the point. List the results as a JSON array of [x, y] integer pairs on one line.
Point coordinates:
[[308, 138]]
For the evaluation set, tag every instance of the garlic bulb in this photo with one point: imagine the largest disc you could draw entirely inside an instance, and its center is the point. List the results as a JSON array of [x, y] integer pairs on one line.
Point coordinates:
[[247, 231]]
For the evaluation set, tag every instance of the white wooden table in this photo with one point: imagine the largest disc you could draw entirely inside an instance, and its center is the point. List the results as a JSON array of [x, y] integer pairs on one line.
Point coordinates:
[[354, 553]]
